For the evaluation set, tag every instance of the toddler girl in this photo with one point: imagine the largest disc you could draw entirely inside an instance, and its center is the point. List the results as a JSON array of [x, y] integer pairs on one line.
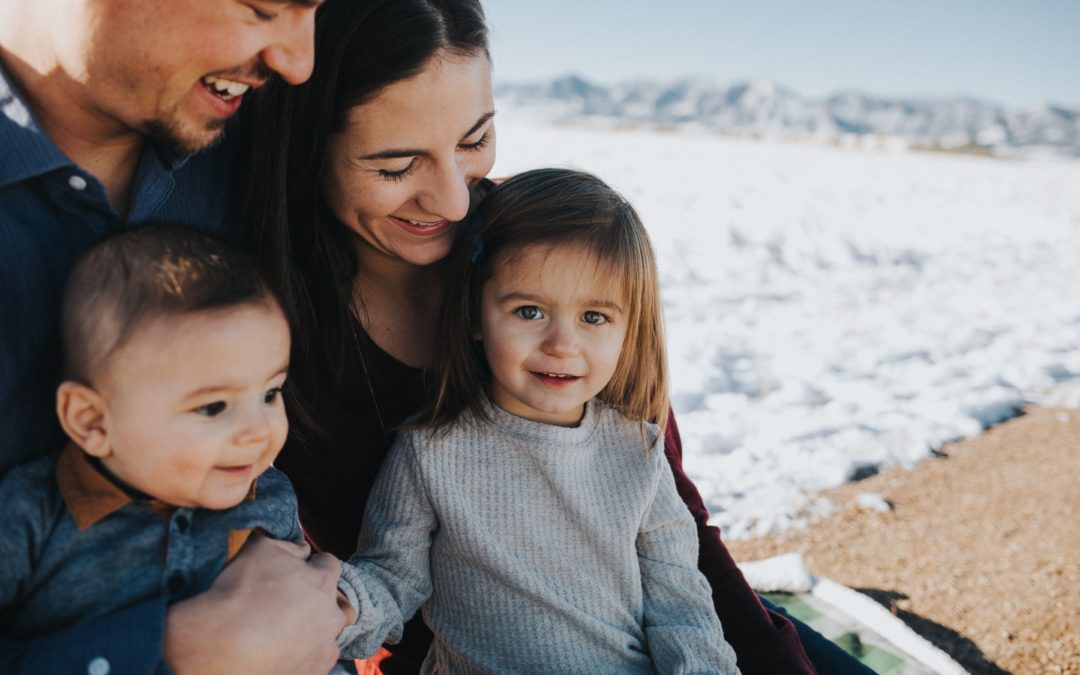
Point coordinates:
[[532, 513]]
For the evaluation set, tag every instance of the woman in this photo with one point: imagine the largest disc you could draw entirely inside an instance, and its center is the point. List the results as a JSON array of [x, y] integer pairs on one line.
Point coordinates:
[[357, 181]]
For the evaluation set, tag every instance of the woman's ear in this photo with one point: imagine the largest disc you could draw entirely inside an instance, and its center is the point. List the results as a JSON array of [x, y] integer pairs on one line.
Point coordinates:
[[82, 415]]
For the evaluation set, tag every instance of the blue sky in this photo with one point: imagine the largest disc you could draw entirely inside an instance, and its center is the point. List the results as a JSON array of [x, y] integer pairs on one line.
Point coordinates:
[[1009, 52]]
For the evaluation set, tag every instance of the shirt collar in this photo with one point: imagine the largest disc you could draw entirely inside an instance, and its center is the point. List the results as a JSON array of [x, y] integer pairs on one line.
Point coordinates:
[[28, 149], [90, 495]]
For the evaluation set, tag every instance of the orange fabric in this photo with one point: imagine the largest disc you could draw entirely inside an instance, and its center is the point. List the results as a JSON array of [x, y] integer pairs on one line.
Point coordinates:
[[372, 664], [90, 496], [237, 539]]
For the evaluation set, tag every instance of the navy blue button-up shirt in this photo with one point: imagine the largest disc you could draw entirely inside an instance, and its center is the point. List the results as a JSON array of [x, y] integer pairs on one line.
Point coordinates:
[[50, 211]]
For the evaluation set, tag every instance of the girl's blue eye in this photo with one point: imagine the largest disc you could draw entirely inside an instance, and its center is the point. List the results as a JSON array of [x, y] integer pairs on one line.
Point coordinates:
[[211, 409], [529, 312], [272, 395], [594, 318]]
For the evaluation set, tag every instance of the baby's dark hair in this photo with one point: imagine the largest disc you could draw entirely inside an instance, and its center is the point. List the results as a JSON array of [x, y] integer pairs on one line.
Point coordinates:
[[142, 274], [552, 207]]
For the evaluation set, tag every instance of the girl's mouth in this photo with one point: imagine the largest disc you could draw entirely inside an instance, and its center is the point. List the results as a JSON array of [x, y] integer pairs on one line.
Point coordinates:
[[555, 379]]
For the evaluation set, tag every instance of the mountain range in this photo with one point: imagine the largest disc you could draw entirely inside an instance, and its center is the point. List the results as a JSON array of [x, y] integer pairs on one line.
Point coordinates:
[[762, 108]]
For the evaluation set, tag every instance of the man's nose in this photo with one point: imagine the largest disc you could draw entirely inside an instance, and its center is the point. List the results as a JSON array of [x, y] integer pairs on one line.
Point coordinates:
[[292, 54]]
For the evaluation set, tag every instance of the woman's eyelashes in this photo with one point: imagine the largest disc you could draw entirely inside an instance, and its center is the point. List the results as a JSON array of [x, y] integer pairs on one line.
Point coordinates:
[[477, 145], [402, 174], [397, 175]]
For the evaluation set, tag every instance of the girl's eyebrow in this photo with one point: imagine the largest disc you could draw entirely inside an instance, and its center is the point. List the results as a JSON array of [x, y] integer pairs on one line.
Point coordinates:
[[516, 296], [406, 152]]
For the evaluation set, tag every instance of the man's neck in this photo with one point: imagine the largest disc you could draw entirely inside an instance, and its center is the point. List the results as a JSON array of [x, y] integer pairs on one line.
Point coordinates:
[[100, 146]]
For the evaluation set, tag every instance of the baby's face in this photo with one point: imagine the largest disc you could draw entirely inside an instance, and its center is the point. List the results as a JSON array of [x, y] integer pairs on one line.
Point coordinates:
[[193, 404]]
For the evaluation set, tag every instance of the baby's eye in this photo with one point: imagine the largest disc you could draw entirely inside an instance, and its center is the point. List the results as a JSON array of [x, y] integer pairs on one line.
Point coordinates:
[[272, 395], [530, 312], [211, 409], [594, 318]]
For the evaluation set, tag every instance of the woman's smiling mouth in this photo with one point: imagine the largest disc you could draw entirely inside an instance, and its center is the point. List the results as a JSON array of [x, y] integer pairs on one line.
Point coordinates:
[[420, 227]]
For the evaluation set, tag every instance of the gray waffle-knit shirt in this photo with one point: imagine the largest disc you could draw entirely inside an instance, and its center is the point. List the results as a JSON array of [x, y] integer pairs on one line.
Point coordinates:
[[535, 548]]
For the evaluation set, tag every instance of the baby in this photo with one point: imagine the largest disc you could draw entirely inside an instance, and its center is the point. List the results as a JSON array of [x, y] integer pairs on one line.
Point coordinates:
[[175, 352]]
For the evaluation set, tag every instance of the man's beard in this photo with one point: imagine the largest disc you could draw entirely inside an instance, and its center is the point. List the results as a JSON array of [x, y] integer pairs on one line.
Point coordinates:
[[166, 135]]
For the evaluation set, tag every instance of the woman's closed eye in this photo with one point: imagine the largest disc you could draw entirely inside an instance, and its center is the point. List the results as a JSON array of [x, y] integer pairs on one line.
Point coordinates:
[[397, 174], [530, 312], [477, 145]]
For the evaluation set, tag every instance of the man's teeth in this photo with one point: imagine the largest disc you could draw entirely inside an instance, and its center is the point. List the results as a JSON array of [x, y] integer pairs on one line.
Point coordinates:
[[225, 88]]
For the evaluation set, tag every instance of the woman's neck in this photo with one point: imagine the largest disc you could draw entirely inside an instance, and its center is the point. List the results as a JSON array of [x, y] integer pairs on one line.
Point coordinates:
[[398, 305]]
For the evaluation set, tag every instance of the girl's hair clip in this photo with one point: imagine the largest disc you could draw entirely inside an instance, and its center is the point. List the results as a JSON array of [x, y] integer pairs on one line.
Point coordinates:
[[476, 243]]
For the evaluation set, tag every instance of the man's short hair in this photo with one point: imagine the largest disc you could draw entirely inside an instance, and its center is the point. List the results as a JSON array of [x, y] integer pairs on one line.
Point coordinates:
[[143, 274]]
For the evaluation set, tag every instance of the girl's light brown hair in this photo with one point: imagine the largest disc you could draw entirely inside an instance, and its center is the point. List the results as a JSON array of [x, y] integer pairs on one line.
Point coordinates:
[[551, 208]]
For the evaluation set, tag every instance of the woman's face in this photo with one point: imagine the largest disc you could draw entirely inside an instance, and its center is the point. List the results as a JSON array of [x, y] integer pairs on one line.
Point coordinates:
[[400, 174]]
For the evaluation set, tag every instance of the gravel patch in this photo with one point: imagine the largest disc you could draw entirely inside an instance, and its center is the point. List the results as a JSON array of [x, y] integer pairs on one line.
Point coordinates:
[[978, 550]]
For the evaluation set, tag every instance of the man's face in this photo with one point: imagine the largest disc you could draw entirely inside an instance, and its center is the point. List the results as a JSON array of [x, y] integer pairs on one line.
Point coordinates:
[[175, 70]]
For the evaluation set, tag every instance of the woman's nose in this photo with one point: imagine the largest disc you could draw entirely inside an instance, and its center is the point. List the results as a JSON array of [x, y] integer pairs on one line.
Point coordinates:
[[448, 194]]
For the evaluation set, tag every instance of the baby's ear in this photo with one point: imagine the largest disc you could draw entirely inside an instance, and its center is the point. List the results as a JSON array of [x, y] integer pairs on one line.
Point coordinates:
[[82, 415]]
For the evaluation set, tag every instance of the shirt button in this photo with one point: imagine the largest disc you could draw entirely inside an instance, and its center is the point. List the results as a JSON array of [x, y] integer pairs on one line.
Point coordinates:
[[98, 666], [79, 183], [176, 582]]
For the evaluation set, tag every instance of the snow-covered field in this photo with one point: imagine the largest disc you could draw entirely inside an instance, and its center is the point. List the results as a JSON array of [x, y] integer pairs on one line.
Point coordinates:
[[829, 310]]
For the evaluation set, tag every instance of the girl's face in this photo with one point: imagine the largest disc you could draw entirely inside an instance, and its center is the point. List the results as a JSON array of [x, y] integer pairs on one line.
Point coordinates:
[[400, 174], [552, 330]]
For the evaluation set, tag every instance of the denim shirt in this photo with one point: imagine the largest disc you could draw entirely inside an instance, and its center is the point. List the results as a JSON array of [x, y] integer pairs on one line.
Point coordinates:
[[76, 546], [50, 211]]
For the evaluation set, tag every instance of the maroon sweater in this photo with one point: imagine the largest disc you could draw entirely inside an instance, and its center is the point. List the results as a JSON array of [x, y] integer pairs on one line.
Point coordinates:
[[333, 472]]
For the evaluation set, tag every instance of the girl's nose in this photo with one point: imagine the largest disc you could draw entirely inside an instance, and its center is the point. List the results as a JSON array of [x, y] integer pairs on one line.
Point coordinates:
[[561, 340]]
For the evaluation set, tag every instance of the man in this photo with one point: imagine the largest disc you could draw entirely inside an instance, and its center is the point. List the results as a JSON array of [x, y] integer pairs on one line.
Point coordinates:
[[103, 104]]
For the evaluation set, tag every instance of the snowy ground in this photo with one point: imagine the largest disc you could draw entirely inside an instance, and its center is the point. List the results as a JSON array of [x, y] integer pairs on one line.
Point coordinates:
[[830, 311]]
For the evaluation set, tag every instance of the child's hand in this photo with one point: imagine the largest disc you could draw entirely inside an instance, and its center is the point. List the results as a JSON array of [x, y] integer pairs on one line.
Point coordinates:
[[346, 608]]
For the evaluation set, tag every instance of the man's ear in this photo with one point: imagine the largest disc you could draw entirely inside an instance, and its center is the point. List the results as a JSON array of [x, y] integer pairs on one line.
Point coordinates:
[[82, 415]]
